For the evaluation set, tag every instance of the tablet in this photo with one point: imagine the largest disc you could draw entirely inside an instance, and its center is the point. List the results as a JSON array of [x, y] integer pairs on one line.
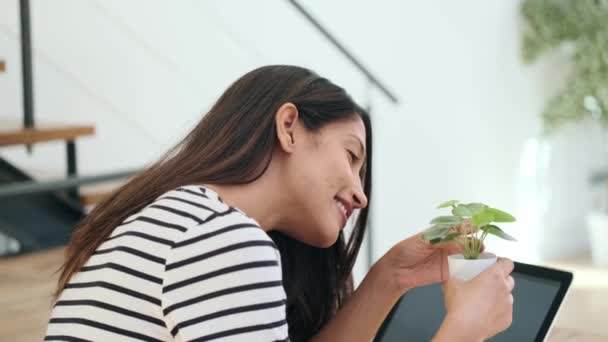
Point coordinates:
[[538, 294]]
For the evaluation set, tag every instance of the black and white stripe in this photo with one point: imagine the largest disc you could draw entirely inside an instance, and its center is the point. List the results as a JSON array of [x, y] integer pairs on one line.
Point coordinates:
[[187, 267], [244, 330]]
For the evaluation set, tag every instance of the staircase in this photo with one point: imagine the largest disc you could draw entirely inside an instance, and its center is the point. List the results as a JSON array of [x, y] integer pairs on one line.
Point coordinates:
[[32, 220], [37, 215]]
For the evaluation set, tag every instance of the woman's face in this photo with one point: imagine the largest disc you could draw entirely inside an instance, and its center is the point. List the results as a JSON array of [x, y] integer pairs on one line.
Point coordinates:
[[323, 180]]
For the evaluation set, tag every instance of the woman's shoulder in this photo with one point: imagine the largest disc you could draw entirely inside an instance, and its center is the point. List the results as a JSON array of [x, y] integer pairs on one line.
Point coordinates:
[[196, 203], [191, 215], [217, 224]]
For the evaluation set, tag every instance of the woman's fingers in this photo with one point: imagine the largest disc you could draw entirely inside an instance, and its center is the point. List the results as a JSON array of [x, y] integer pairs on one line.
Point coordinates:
[[505, 265], [510, 283]]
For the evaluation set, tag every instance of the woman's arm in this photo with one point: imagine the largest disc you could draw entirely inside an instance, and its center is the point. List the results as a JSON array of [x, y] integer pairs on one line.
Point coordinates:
[[360, 318], [476, 309]]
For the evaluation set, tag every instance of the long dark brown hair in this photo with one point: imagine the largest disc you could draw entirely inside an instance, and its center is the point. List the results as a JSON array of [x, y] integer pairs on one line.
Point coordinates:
[[233, 144]]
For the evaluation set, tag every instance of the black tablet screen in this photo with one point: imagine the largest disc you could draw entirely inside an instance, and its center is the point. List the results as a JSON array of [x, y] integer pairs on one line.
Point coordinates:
[[421, 311]]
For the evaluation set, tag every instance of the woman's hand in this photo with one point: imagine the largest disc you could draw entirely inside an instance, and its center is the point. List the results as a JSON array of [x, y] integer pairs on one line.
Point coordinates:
[[414, 262], [480, 308], [410, 263]]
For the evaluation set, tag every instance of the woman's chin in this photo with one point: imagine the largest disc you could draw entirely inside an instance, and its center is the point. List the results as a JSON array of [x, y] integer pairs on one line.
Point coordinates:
[[324, 236], [326, 240]]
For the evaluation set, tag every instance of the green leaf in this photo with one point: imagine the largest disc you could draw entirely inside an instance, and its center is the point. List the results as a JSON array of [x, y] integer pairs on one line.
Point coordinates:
[[450, 237], [482, 218], [447, 204], [448, 220], [476, 208], [501, 216], [436, 232], [494, 230], [462, 211]]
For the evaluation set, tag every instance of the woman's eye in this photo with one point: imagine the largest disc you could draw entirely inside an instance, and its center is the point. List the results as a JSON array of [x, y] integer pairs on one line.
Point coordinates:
[[353, 156]]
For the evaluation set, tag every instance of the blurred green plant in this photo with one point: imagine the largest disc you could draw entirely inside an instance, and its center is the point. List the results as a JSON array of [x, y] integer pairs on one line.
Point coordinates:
[[469, 225], [581, 28]]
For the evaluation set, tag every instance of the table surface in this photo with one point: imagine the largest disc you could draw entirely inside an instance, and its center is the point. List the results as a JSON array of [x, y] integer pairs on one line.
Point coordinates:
[[582, 316], [572, 335]]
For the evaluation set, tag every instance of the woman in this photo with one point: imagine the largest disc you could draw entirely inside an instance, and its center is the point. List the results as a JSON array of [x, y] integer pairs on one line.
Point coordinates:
[[236, 234]]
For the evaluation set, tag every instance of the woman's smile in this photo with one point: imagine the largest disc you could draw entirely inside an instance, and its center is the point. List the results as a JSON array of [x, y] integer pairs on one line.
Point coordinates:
[[344, 210]]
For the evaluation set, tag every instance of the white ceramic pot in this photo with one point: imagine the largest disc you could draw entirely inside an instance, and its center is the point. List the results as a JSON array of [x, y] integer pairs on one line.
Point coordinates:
[[467, 269], [597, 224]]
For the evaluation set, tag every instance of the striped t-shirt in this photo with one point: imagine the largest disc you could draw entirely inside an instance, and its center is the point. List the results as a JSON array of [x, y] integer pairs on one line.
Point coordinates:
[[187, 267]]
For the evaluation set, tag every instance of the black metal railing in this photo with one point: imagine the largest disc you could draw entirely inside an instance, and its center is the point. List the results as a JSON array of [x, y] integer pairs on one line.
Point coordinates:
[[26, 64], [373, 79], [68, 183]]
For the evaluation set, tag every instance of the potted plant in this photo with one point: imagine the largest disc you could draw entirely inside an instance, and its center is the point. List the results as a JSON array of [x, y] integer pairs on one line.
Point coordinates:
[[468, 226]]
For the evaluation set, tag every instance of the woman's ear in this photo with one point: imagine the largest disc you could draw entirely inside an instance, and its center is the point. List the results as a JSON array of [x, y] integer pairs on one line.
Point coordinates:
[[286, 120]]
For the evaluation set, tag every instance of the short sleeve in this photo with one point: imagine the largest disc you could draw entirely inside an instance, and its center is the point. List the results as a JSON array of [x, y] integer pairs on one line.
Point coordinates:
[[223, 282]]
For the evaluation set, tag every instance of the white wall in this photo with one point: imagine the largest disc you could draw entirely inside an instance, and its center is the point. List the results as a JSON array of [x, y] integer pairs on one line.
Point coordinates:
[[468, 106], [144, 71], [467, 123]]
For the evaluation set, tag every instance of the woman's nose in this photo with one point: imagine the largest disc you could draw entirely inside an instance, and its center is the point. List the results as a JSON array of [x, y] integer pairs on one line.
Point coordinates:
[[359, 199]]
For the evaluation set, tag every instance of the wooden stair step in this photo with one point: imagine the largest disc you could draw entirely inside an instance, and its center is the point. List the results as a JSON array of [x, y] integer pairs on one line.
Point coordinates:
[[91, 195], [27, 136], [92, 198]]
